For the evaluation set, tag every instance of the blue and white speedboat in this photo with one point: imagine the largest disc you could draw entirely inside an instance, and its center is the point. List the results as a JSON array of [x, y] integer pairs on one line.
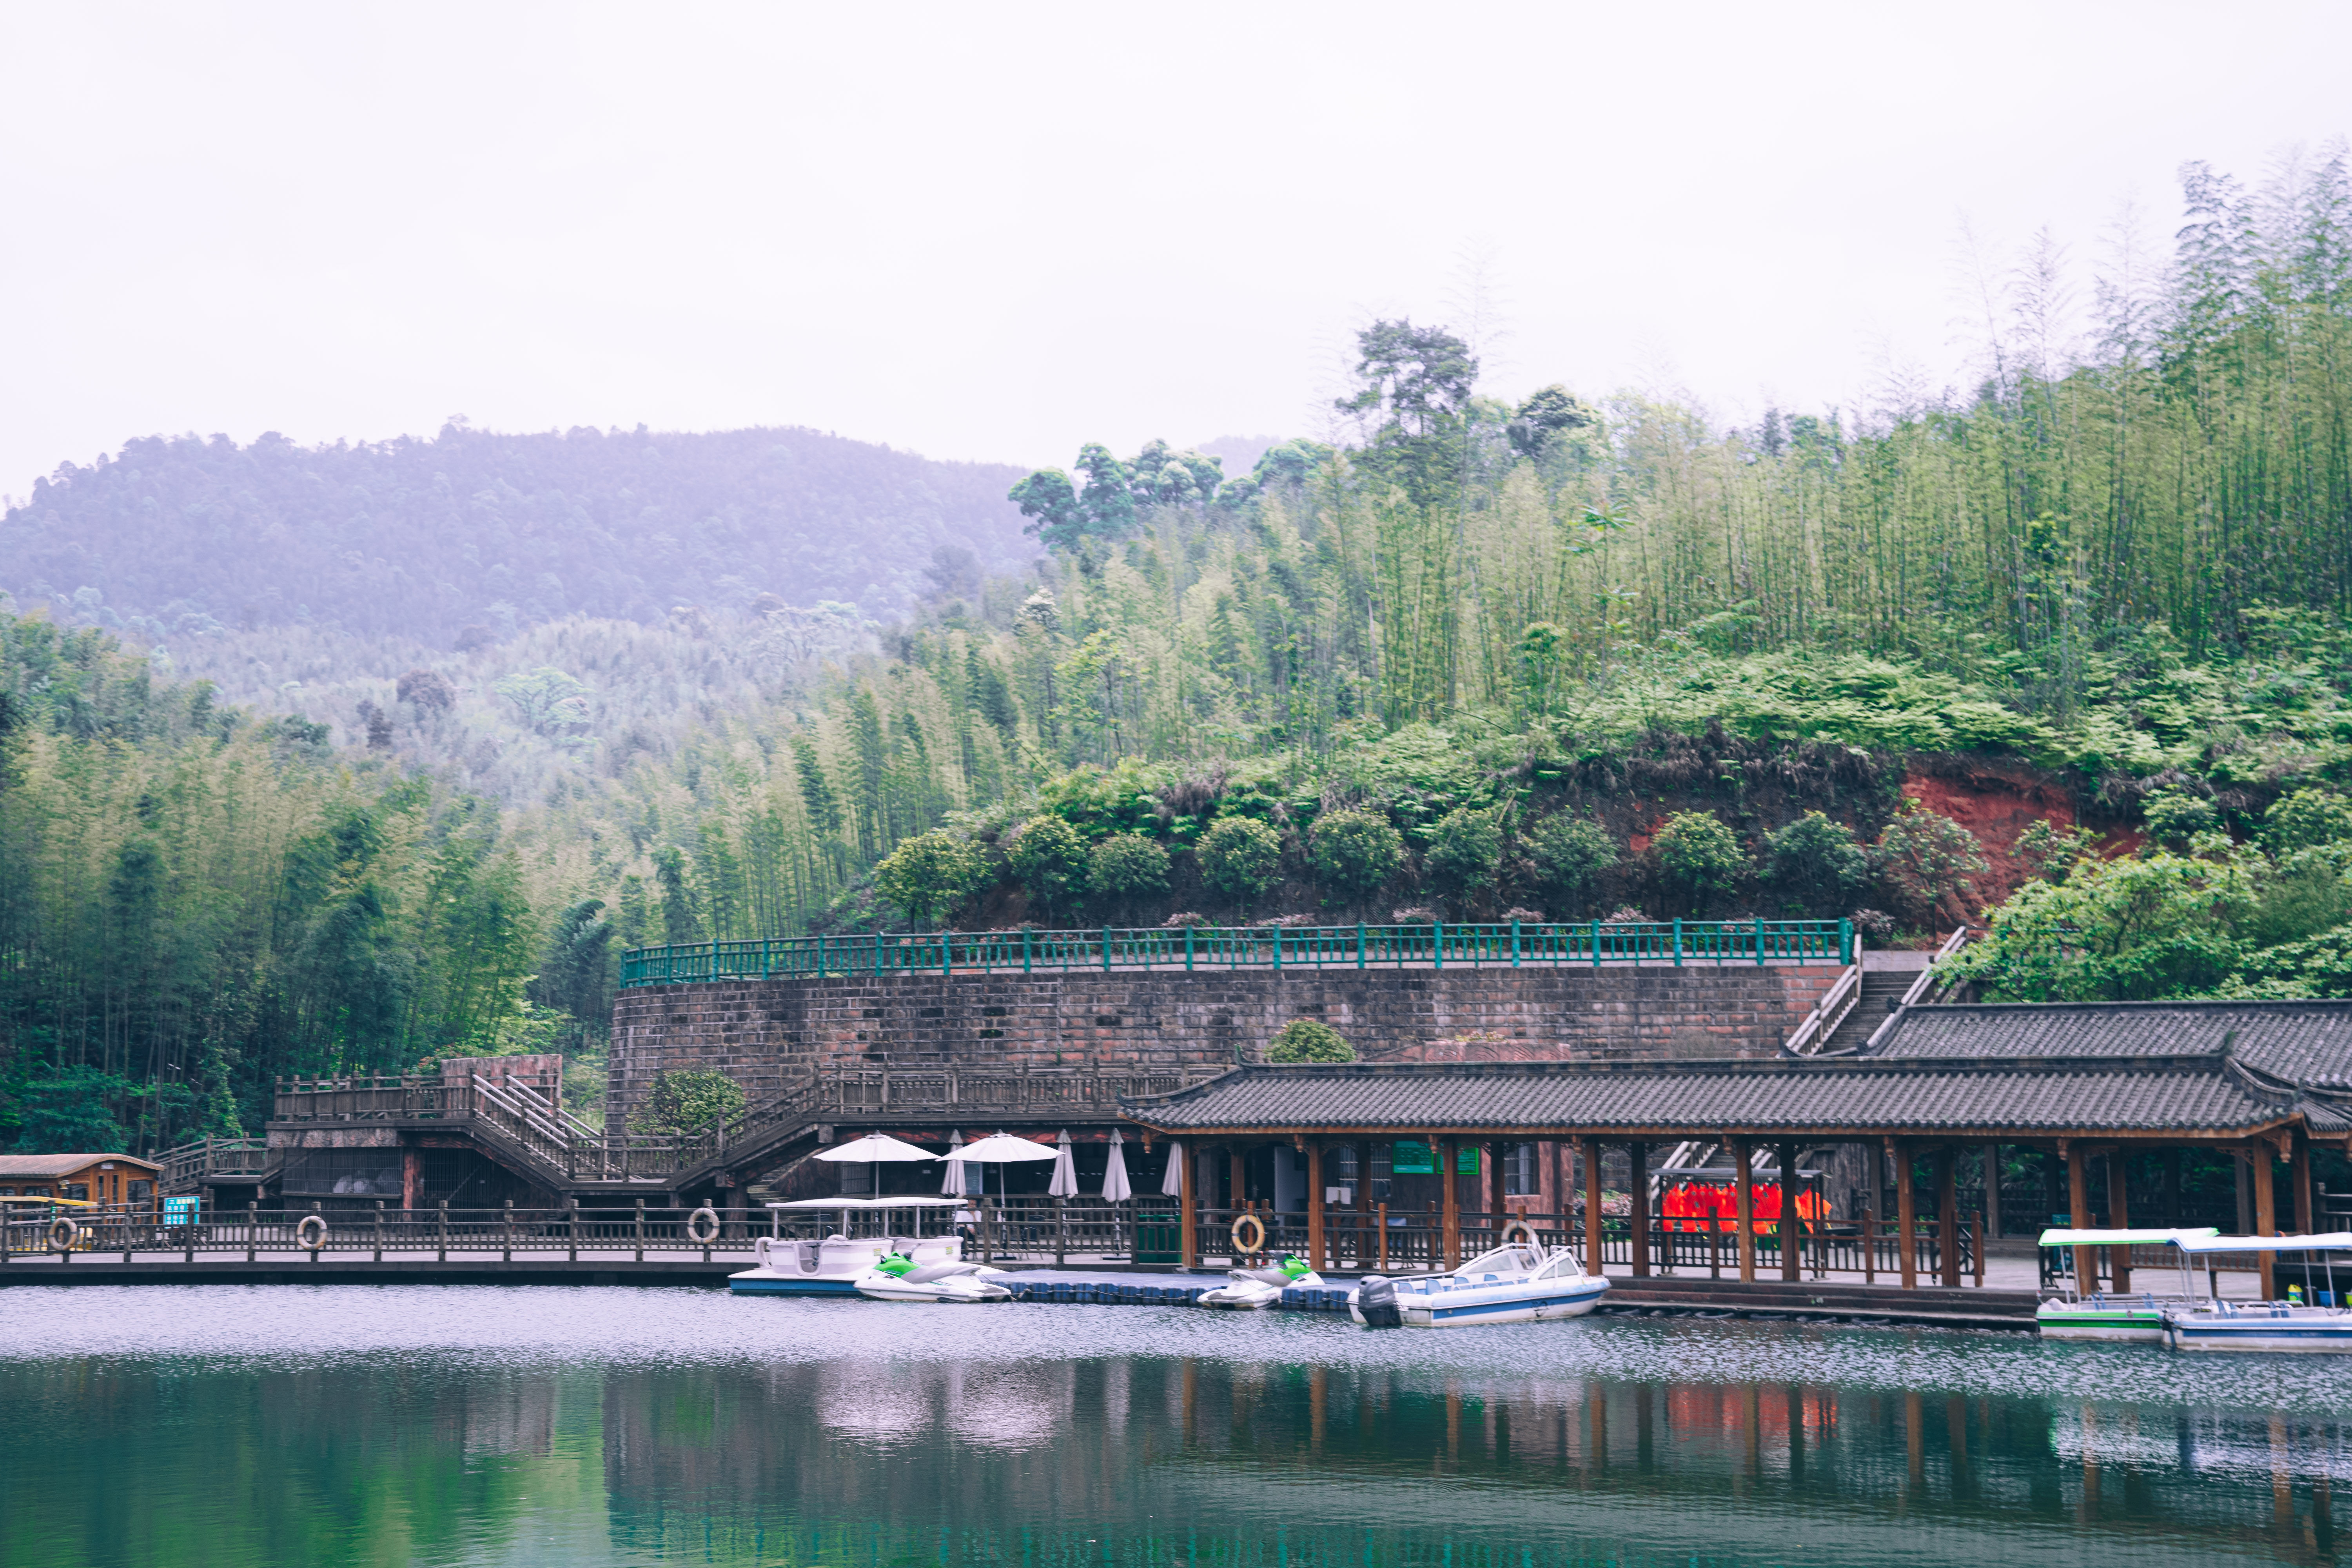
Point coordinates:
[[834, 1265], [2295, 1326], [1515, 1284]]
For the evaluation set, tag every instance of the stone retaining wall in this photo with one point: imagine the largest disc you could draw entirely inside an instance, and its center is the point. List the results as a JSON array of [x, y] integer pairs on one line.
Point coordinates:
[[765, 1033]]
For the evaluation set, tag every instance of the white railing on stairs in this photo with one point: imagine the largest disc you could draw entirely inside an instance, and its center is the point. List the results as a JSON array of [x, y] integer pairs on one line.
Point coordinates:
[[1823, 1020], [1919, 988]]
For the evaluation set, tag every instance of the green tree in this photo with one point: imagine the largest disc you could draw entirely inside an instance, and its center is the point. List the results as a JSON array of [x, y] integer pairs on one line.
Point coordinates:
[[1050, 859], [72, 1112], [680, 924], [1465, 848], [1701, 858], [1355, 852], [1569, 854], [2306, 818], [1126, 866], [2049, 851], [1305, 1040], [2121, 931], [931, 873], [687, 1100], [1240, 859], [2174, 818], [1926, 858], [1815, 865]]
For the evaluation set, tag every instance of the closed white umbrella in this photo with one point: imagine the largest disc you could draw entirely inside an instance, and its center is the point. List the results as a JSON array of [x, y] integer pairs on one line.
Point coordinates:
[[1115, 1183], [1065, 1183], [959, 1183], [876, 1146], [1173, 1185]]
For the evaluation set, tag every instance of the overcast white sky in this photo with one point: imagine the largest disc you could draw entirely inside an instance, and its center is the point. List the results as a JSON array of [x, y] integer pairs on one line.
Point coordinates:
[[998, 232]]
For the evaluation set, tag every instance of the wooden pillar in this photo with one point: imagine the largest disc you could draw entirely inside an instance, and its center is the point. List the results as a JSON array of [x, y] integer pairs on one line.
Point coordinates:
[[2078, 1215], [1559, 1162], [2306, 1221], [1315, 1258], [1639, 1229], [2118, 1216], [1237, 1178], [1907, 1216], [1188, 1205], [1992, 1193], [1947, 1218], [1743, 1188], [412, 1178], [1790, 1192], [2265, 1216], [1447, 1159], [1589, 1149], [1495, 1207]]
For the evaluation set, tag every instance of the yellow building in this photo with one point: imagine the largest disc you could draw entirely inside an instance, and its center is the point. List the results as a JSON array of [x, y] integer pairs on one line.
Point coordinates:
[[113, 1180]]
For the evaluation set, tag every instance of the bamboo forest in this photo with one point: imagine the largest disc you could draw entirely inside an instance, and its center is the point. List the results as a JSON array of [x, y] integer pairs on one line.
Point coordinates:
[[1573, 655]]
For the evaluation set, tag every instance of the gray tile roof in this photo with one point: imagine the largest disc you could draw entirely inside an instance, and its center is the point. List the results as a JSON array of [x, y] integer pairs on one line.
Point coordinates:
[[2307, 1043], [2203, 1094]]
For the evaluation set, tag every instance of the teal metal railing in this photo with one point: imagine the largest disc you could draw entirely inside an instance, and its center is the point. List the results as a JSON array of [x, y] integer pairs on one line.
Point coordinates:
[[1513, 945]]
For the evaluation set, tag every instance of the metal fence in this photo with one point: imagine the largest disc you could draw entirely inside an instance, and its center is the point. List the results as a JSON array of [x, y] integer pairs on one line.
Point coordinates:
[[1516, 943]]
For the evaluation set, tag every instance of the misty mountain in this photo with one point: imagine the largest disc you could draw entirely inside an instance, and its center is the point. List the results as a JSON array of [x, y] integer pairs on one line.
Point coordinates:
[[423, 539]]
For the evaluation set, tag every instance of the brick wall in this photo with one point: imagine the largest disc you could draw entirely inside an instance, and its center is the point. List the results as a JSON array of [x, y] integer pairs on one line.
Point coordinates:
[[766, 1034]]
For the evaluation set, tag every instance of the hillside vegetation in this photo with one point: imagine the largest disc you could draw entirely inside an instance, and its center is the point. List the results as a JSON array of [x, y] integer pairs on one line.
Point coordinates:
[[1565, 656]]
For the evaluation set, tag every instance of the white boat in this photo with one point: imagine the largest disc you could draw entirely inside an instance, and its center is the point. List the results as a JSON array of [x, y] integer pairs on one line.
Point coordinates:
[[1515, 1284], [2131, 1317], [900, 1278], [834, 1265], [1247, 1290], [2294, 1326]]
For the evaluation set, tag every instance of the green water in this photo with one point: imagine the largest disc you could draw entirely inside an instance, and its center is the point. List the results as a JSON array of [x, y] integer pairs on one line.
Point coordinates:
[[261, 1426]]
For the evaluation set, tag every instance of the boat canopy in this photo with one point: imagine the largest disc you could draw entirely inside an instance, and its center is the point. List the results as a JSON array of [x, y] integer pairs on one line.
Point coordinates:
[[871, 1204], [2330, 1241], [2127, 1237]]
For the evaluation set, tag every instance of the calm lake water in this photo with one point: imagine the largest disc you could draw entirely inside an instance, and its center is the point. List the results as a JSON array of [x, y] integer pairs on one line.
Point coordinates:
[[240, 1426]]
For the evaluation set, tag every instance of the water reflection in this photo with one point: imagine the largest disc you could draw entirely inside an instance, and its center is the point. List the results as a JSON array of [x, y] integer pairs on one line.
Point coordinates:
[[619, 1426]]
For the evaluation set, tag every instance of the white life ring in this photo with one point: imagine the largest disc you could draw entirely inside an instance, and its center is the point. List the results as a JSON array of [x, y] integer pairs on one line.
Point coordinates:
[[63, 1234], [310, 1235], [1519, 1230], [695, 1230], [1256, 1242]]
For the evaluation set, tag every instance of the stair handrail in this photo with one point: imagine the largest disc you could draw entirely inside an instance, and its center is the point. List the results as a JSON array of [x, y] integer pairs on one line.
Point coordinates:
[[1840, 999], [1919, 988]]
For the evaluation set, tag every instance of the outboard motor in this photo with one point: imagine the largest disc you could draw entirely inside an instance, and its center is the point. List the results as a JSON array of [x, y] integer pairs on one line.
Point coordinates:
[[1376, 1299]]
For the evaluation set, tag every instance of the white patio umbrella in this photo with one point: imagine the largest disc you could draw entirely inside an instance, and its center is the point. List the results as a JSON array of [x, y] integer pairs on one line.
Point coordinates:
[[960, 1176], [1173, 1185], [1000, 1150], [1065, 1183], [876, 1146], [1115, 1183]]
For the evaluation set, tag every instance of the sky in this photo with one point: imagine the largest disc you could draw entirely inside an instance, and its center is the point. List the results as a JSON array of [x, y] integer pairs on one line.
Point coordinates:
[[996, 233]]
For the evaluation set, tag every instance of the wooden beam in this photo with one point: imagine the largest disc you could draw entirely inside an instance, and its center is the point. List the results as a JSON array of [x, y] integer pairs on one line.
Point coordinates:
[[1790, 1192], [1947, 1219], [1589, 1149], [1188, 1205], [1743, 1189], [2078, 1215], [1638, 1156], [2119, 1216], [1316, 1260], [1445, 1163], [2299, 1186], [2265, 1220], [1907, 1216]]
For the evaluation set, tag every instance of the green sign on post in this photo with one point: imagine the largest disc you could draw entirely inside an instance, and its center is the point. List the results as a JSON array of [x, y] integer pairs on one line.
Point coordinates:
[[1414, 1157]]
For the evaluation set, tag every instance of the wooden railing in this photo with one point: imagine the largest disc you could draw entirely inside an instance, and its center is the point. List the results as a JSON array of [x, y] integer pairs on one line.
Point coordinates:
[[1514, 943], [252, 1232], [190, 1163]]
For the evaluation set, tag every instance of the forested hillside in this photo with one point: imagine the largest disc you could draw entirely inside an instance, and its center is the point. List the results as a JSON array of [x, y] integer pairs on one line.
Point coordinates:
[[1565, 656], [173, 537]]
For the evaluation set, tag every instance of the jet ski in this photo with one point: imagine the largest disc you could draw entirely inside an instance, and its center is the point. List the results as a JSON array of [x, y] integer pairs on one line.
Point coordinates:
[[1515, 1284], [1246, 1289], [898, 1277]]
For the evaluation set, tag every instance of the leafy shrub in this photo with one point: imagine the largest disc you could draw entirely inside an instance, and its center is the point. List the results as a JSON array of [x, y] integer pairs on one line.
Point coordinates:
[[1524, 916], [931, 873], [1465, 848], [2173, 818], [1874, 925], [1051, 862], [1127, 866], [2118, 930], [2048, 852], [1700, 856], [1413, 915], [1925, 857], [1184, 918], [2306, 819], [1816, 863], [1354, 852], [1624, 915], [1570, 853], [687, 1100], [1305, 1040], [1240, 857]]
